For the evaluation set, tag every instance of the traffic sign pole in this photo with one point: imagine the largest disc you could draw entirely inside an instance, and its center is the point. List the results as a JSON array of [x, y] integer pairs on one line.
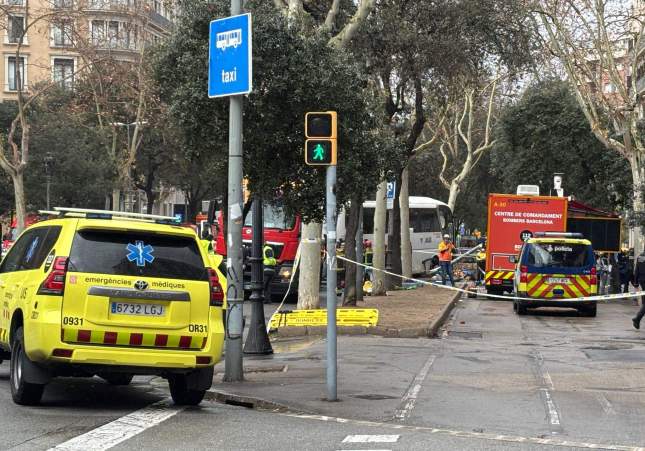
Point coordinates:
[[233, 370], [331, 284]]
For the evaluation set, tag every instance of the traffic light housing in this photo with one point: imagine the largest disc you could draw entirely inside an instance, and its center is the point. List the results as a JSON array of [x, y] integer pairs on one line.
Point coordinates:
[[321, 130]]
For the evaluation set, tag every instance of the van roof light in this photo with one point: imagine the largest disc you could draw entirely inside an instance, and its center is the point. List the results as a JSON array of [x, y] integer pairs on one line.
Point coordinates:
[[558, 235], [62, 212]]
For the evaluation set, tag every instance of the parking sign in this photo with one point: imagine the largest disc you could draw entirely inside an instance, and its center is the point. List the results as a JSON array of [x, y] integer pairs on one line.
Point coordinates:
[[229, 60]]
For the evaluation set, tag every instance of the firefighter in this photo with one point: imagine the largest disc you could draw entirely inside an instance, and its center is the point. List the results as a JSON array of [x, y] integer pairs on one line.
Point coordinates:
[[269, 262], [639, 280]]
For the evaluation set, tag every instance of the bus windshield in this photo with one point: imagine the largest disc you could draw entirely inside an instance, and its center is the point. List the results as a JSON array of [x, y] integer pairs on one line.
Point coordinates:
[[274, 218]]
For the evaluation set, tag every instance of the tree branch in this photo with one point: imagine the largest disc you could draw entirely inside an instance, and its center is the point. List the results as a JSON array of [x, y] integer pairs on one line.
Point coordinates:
[[349, 30]]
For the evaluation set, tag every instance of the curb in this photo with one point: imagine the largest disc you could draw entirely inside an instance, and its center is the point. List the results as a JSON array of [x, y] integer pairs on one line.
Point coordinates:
[[428, 332], [248, 402], [443, 316]]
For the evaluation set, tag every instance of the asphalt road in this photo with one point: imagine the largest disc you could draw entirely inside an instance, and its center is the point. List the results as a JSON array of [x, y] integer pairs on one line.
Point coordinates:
[[494, 381]]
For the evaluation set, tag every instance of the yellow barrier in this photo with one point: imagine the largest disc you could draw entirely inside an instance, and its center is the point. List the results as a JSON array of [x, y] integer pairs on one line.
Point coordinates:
[[344, 317]]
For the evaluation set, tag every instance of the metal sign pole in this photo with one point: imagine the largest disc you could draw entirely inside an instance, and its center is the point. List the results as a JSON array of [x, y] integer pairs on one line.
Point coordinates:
[[235, 292], [331, 283]]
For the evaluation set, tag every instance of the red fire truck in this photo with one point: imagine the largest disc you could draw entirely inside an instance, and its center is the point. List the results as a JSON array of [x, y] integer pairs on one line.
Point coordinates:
[[282, 233], [511, 220]]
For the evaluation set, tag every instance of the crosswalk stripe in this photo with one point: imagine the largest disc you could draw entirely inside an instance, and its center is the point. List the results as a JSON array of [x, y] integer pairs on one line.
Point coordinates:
[[371, 439]]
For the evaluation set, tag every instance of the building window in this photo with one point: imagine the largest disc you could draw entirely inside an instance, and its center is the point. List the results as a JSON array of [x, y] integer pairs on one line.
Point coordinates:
[[98, 32], [15, 2], [15, 73], [63, 3], [63, 72], [62, 33], [113, 34], [15, 28]]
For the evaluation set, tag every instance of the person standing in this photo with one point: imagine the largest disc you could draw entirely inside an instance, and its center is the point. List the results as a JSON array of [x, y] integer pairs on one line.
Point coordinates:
[[639, 280], [269, 262], [625, 271], [445, 259]]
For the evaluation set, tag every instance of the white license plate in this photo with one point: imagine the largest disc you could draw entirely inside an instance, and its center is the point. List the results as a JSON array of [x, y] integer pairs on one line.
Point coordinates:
[[560, 280], [133, 308]]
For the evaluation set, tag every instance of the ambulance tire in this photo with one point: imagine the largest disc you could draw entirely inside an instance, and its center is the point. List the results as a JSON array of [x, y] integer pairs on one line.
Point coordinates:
[[181, 394], [22, 392], [521, 308]]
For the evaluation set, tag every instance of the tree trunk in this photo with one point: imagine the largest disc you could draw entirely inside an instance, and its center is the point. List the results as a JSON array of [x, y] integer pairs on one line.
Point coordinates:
[[394, 238], [21, 202], [349, 294], [309, 277], [116, 200], [406, 244], [378, 246], [455, 189], [639, 210], [360, 256], [150, 198]]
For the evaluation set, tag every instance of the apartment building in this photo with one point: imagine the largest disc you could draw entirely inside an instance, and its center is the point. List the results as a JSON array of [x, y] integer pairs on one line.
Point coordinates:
[[55, 37], [639, 52]]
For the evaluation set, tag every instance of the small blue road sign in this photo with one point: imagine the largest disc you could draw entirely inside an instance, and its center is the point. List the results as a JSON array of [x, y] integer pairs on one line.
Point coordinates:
[[391, 190], [229, 60]]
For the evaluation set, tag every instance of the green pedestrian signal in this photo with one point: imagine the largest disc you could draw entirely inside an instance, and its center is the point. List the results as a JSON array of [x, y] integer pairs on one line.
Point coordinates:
[[319, 152], [321, 130]]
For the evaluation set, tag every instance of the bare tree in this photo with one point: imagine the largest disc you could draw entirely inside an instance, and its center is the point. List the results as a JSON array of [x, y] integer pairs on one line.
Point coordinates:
[[464, 128], [19, 20], [596, 43]]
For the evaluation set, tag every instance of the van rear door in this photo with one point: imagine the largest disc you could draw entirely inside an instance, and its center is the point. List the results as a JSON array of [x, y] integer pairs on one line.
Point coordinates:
[[130, 287]]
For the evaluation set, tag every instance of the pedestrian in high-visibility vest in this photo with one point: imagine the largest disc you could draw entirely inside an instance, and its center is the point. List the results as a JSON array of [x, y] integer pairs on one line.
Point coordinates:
[[445, 259], [269, 262]]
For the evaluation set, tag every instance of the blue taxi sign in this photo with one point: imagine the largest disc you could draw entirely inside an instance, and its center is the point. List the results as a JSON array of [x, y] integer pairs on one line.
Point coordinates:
[[229, 59]]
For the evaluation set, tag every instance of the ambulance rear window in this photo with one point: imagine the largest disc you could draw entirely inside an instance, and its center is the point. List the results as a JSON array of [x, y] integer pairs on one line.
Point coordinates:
[[136, 254], [559, 255]]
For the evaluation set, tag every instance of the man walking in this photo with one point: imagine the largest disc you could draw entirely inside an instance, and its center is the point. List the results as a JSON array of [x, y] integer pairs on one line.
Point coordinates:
[[445, 259], [639, 280]]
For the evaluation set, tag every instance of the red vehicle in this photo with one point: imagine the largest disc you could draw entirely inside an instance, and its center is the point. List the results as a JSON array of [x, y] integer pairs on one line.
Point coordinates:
[[13, 231], [282, 233], [512, 219]]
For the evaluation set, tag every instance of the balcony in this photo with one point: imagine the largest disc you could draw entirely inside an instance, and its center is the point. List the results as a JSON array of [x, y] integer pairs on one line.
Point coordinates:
[[160, 21]]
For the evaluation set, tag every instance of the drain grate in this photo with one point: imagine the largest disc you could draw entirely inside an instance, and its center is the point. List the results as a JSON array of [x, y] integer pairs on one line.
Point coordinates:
[[374, 397], [468, 334]]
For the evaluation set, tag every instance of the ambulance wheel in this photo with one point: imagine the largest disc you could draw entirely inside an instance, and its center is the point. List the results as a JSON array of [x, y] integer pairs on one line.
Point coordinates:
[[22, 392], [181, 394]]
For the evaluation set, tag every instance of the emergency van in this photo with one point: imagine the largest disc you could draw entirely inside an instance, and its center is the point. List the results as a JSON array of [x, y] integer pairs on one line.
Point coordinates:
[[113, 294], [555, 269]]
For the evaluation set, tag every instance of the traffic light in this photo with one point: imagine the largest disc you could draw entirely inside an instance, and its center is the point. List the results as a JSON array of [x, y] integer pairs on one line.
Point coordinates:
[[321, 130]]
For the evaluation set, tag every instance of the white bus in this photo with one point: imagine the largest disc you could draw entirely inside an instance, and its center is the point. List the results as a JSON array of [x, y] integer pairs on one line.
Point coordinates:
[[429, 220]]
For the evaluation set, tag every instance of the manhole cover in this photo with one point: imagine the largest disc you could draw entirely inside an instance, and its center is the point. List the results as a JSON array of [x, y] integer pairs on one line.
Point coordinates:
[[464, 334], [374, 397]]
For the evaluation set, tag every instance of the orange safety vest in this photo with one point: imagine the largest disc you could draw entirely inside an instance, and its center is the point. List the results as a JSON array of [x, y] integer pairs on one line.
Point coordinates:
[[445, 251]]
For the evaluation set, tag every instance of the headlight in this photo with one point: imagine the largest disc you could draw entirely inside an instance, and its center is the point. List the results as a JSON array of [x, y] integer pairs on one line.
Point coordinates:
[[285, 272]]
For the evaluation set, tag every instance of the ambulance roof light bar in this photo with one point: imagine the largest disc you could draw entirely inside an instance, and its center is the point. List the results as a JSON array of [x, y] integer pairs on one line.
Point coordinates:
[[107, 214], [558, 235]]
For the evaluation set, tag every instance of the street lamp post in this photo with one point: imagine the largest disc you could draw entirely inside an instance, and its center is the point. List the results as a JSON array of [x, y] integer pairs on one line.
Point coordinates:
[[49, 163]]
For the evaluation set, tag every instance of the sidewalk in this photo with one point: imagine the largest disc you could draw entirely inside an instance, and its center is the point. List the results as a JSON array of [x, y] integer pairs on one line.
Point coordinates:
[[402, 314], [374, 372]]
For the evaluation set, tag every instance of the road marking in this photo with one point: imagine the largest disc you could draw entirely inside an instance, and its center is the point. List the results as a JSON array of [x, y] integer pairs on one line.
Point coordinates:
[[605, 404], [410, 398], [469, 434], [121, 429], [371, 439], [546, 387]]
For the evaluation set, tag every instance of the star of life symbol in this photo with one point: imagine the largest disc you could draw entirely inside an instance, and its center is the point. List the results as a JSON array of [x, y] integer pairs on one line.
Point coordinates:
[[228, 39], [140, 253]]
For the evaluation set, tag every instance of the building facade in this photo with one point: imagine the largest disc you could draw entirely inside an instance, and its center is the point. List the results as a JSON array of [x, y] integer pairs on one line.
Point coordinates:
[[52, 40]]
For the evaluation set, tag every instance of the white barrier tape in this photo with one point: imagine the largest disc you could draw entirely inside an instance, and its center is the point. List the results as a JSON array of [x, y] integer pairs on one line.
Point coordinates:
[[470, 251], [296, 263], [497, 296]]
